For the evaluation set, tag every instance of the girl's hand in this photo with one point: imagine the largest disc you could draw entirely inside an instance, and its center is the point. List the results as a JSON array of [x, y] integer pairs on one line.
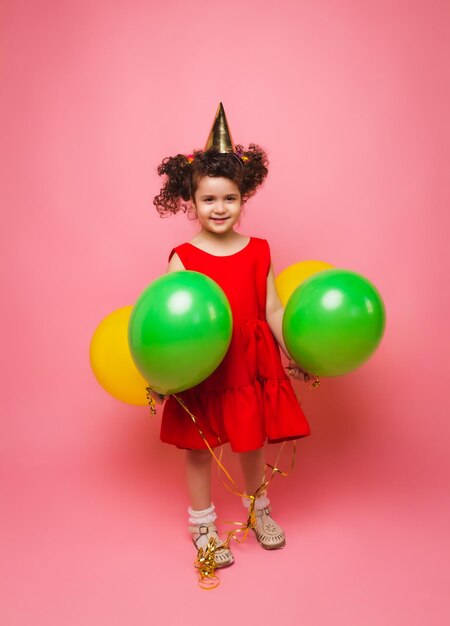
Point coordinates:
[[296, 372], [157, 397]]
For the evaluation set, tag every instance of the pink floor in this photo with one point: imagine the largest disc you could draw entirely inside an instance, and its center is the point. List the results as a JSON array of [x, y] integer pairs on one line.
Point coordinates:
[[102, 541]]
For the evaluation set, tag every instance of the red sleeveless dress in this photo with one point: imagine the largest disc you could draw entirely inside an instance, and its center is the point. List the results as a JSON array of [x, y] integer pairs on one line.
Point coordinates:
[[248, 399]]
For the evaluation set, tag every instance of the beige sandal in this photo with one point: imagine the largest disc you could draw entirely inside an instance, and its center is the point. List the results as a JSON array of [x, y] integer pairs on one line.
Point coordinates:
[[269, 535], [223, 557]]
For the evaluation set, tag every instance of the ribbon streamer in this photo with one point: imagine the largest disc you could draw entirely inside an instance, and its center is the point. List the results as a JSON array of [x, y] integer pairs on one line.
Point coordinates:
[[205, 562], [151, 402]]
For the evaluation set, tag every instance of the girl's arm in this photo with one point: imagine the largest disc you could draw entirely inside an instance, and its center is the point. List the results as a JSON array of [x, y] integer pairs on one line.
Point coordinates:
[[175, 264], [274, 316], [274, 312]]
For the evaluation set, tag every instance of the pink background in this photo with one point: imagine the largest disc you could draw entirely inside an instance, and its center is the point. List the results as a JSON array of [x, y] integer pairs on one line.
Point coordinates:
[[351, 100]]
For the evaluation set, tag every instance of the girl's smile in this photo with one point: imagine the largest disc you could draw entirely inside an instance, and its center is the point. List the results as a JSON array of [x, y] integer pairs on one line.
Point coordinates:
[[218, 204]]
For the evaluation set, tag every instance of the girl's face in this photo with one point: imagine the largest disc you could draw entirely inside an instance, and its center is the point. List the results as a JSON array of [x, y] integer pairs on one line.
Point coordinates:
[[218, 204]]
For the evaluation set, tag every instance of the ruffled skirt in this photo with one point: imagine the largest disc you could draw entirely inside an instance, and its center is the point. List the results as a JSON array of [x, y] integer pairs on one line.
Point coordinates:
[[246, 401]]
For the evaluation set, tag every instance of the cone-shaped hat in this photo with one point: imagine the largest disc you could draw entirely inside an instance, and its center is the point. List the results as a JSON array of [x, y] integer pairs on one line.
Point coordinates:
[[220, 137]]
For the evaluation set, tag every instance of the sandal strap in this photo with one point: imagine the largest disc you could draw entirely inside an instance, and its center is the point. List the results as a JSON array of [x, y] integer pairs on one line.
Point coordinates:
[[203, 529], [265, 511], [222, 555]]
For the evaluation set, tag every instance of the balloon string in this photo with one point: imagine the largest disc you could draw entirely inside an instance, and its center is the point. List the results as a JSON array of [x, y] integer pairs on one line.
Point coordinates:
[[205, 565], [217, 460], [151, 402]]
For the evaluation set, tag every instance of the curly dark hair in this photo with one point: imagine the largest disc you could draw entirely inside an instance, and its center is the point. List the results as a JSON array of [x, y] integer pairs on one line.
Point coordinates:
[[246, 168]]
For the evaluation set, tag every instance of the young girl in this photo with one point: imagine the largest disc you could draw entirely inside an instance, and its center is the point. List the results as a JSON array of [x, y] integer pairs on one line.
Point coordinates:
[[249, 399]]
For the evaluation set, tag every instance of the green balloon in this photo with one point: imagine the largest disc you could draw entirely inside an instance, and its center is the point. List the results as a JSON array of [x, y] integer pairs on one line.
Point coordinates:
[[333, 322], [179, 330]]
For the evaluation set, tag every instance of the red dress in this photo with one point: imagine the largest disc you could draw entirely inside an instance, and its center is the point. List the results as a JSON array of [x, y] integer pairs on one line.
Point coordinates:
[[248, 399]]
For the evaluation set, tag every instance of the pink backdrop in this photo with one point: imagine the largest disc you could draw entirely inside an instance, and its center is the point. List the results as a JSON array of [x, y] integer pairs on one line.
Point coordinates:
[[351, 100]]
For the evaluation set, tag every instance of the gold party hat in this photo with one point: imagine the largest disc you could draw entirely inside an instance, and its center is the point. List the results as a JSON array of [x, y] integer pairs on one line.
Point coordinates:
[[220, 137]]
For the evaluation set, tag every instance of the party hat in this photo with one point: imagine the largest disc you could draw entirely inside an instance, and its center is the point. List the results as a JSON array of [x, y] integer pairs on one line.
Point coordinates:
[[220, 137]]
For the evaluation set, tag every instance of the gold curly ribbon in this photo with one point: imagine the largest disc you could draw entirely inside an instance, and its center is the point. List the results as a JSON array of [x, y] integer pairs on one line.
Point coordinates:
[[202, 434], [151, 402], [208, 565], [205, 564], [262, 489], [313, 385]]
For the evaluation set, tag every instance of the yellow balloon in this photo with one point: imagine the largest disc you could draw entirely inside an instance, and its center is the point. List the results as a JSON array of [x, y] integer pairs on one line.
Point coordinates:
[[290, 278], [111, 359]]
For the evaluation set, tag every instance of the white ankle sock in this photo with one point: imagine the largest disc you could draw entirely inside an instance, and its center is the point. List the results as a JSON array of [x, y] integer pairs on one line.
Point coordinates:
[[199, 518], [260, 503], [205, 516]]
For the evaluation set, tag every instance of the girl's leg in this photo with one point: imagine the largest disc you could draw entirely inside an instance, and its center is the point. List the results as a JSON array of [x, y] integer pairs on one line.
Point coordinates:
[[270, 536], [198, 471], [202, 513], [253, 465]]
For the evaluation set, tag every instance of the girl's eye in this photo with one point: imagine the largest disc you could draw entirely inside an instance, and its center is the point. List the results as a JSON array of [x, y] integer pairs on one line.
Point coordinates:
[[231, 198]]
